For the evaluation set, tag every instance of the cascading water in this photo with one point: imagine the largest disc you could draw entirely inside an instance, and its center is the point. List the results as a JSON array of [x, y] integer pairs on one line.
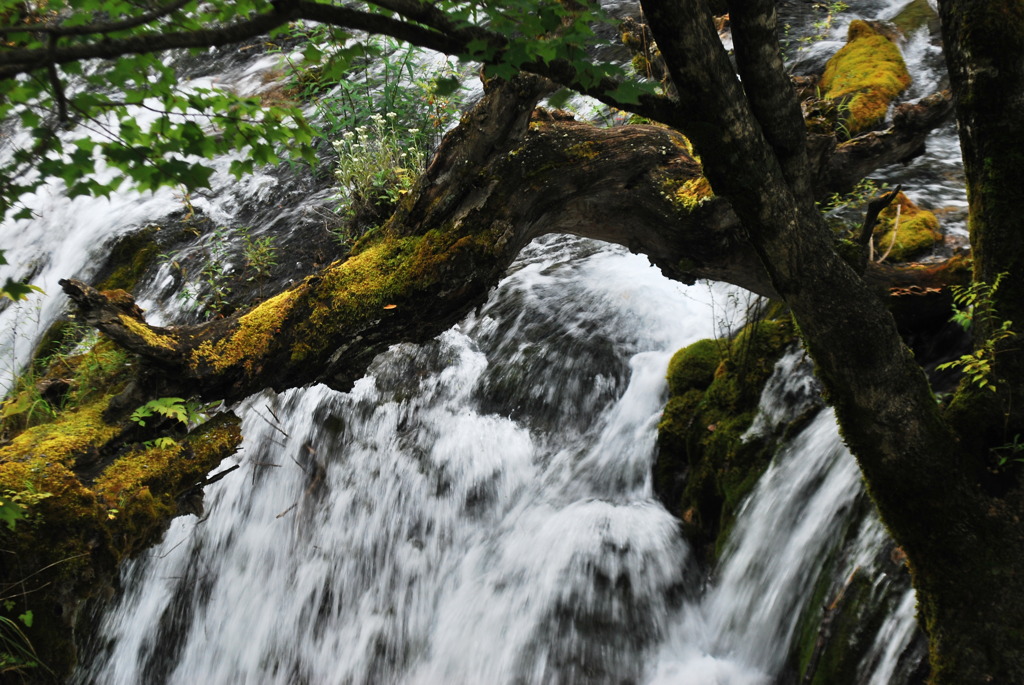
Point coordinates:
[[403, 534], [479, 509]]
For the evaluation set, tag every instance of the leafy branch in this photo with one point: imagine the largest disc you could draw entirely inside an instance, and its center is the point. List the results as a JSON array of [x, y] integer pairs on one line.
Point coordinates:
[[974, 305]]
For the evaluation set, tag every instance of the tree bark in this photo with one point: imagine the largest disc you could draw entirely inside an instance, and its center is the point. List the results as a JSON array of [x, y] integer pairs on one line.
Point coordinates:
[[498, 181], [959, 539]]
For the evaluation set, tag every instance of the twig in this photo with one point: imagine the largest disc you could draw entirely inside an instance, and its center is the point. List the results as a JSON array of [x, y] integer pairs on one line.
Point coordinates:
[[895, 230], [875, 208], [275, 427], [285, 512], [217, 477]]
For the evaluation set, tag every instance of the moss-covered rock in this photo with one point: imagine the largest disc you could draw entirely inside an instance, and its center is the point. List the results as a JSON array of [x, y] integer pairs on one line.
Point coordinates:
[[693, 367], [704, 469], [905, 230], [866, 75], [915, 15], [98, 497], [128, 259]]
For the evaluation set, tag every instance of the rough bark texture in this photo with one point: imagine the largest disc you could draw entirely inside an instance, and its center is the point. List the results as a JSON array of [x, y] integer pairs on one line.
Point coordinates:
[[975, 610], [960, 542], [498, 181]]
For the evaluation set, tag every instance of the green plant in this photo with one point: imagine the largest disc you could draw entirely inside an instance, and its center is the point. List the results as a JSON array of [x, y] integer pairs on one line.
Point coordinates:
[[859, 195], [185, 412], [26, 402], [210, 292], [16, 651], [1011, 451], [823, 25], [14, 290], [73, 362], [351, 82], [382, 114], [974, 305], [375, 167], [260, 254]]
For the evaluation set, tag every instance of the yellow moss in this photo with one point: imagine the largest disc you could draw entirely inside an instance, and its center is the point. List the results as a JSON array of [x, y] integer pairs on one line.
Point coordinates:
[[585, 150], [73, 432], [359, 286], [151, 337], [918, 229], [128, 473], [358, 289], [252, 337], [867, 74], [690, 194], [142, 489], [168, 469]]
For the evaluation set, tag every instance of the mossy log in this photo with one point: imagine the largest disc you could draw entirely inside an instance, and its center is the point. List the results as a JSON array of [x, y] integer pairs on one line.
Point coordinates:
[[504, 176], [104, 497]]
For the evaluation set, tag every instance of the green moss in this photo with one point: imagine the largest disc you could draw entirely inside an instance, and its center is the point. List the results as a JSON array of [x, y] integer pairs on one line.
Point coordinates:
[[74, 538], [914, 15], [917, 230], [703, 469], [840, 624], [866, 74], [71, 545], [130, 257], [693, 367], [380, 278], [143, 485]]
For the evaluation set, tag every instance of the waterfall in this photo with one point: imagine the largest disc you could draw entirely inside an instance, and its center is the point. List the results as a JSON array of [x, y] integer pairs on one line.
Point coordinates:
[[478, 509]]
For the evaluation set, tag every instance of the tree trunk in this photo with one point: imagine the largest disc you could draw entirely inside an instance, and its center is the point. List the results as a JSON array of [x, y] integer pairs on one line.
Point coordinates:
[[498, 181], [975, 610], [960, 541]]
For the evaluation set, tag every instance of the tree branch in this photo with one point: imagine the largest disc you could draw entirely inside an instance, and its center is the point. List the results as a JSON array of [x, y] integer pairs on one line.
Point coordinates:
[[768, 88], [56, 29], [496, 182]]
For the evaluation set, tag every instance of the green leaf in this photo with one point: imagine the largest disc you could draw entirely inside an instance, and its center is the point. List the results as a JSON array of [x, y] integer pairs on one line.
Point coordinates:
[[18, 291], [446, 85], [10, 512]]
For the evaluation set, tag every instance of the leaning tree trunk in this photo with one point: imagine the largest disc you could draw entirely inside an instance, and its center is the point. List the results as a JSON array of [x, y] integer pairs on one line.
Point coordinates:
[[976, 620], [963, 542], [499, 180]]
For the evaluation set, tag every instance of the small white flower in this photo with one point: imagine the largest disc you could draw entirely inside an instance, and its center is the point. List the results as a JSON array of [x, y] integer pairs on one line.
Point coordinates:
[[413, 131], [391, 115]]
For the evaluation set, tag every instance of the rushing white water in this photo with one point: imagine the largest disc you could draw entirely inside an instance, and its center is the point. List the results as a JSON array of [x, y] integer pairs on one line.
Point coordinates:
[[786, 529], [423, 539], [68, 237]]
